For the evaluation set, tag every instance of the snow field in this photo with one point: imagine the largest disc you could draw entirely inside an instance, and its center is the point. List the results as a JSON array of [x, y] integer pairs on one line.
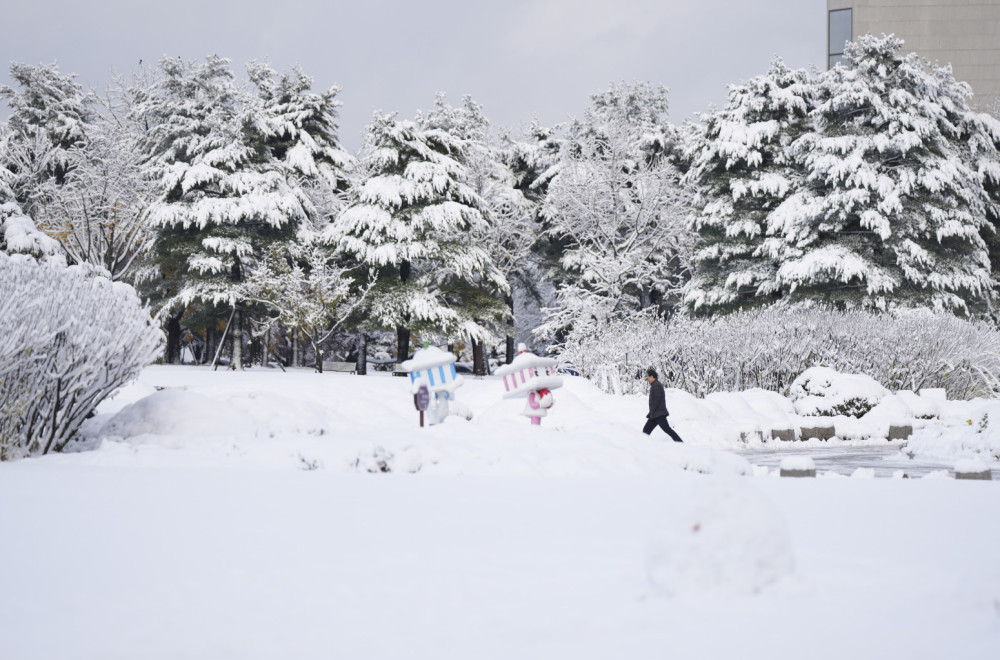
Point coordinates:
[[179, 562], [233, 515]]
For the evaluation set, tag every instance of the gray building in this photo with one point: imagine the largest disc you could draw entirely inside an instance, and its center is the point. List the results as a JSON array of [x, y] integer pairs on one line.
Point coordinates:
[[965, 33]]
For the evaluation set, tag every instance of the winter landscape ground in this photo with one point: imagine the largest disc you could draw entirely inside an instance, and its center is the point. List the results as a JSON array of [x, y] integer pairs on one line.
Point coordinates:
[[301, 515]]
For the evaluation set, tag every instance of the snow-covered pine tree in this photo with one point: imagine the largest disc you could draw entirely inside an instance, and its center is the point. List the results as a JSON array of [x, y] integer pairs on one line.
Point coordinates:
[[98, 213], [509, 231], [48, 116], [225, 198], [618, 204], [894, 207], [742, 170], [533, 158], [408, 220], [300, 129]]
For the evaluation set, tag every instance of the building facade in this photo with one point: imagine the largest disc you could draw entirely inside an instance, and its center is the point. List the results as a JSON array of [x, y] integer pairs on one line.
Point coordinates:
[[965, 33]]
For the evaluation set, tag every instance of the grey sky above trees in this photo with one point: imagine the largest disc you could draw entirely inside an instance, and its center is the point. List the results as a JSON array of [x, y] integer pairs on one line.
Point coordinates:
[[519, 58]]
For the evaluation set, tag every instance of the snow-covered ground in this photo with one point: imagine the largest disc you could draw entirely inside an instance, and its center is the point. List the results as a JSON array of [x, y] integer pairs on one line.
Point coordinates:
[[235, 515]]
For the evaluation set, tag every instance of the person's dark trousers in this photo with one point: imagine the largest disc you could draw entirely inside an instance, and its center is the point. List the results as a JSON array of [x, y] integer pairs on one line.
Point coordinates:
[[663, 424]]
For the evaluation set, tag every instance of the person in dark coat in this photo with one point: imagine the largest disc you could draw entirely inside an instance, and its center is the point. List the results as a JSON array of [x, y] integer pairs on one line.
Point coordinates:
[[657, 407]]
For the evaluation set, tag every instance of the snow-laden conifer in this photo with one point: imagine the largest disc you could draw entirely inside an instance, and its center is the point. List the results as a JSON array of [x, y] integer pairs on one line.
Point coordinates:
[[49, 113], [407, 219], [226, 197], [742, 168], [509, 230], [300, 129], [98, 214], [894, 209]]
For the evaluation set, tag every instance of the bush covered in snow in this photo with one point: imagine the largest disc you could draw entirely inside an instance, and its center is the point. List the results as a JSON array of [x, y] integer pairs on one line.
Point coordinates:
[[67, 342], [769, 348], [826, 391]]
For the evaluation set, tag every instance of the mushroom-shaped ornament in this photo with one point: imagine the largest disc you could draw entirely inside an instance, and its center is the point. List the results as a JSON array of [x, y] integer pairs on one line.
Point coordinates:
[[533, 378], [435, 368]]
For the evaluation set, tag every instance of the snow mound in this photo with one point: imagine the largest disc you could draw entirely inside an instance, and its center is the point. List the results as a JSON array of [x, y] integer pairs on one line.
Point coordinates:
[[827, 392], [727, 538], [174, 412], [974, 435]]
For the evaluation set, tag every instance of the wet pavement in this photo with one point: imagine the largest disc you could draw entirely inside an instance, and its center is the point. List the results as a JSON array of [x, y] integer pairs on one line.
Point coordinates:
[[885, 460]]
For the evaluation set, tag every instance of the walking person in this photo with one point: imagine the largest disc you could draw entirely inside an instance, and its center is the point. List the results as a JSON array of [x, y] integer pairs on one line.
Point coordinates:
[[657, 407]]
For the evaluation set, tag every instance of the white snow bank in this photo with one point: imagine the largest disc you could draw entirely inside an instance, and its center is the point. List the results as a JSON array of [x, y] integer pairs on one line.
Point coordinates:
[[725, 538], [173, 412], [338, 422], [967, 430]]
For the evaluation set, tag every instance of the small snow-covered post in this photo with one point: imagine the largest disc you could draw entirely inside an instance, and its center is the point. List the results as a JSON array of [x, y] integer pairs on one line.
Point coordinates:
[[533, 378], [798, 466]]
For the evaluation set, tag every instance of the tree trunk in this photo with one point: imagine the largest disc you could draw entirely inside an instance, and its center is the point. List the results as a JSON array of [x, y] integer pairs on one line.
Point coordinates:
[[211, 339], [295, 348], [173, 355], [402, 344], [478, 369], [257, 355], [510, 330], [361, 368], [236, 362]]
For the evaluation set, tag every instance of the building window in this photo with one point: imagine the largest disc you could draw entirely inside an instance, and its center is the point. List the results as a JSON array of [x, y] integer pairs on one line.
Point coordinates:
[[841, 31]]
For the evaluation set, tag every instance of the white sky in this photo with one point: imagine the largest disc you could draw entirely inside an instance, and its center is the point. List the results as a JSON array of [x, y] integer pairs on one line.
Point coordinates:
[[519, 58]]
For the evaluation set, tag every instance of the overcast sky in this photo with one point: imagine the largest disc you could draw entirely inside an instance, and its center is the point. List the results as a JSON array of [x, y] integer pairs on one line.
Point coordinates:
[[519, 58]]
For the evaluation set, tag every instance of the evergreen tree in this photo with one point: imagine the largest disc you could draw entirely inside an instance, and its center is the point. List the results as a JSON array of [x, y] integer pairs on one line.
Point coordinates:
[[407, 220], [895, 206], [882, 196], [300, 130], [741, 165], [225, 199], [48, 117], [508, 233]]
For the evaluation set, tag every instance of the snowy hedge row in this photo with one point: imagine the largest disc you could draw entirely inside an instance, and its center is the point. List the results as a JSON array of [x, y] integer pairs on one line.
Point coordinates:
[[67, 341], [769, 348]]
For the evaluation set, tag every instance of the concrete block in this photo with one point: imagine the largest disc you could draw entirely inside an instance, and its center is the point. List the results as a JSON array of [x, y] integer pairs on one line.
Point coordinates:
[[900, 431], [786, 435], [798, 473], [820, 431], [983, 475]]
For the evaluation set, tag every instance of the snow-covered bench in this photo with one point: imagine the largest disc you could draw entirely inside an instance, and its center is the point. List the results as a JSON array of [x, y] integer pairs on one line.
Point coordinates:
[[343, 367]]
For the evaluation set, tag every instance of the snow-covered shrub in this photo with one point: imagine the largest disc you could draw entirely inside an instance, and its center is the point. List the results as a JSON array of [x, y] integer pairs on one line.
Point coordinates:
[[18, 234], [67, 342], [826, 391], [769, 348]]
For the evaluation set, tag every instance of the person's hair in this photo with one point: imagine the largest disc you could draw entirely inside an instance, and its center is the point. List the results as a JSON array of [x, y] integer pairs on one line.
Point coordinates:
[[651, 372]]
